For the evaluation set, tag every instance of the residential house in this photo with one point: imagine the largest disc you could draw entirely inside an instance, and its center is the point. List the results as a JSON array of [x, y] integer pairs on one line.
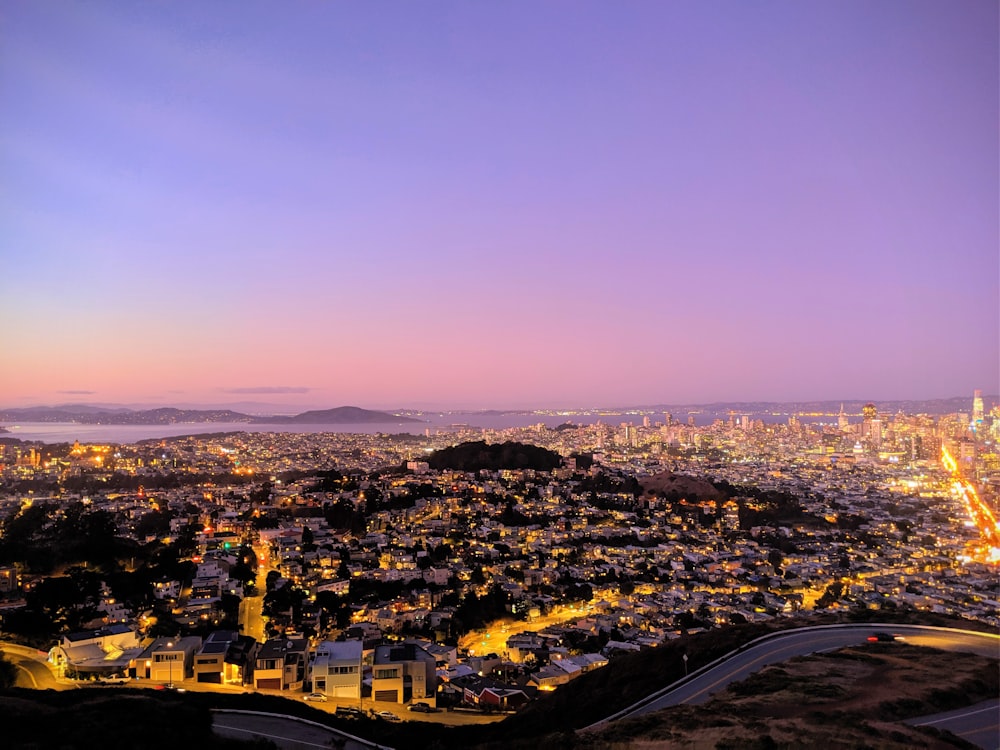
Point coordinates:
[[337, 669], [105, 651], [225, 657], [165, 659], [403, 673], [280, 664]]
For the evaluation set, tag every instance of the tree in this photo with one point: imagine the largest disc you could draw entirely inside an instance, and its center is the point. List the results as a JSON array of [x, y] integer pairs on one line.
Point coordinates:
[[832, 594], [8, 673], [154, 523], [271, 580]]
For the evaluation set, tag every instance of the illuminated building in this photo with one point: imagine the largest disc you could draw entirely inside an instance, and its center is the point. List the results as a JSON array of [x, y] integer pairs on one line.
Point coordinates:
[[977, 408], [871, 426]]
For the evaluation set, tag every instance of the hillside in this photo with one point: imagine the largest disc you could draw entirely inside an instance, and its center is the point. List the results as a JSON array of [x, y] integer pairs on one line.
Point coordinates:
[[668, 484], [339, 415], [854, 697], [478, 455], [170, 415]]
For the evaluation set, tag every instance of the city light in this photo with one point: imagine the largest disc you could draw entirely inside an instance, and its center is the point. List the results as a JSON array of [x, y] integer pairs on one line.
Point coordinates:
[[980, 514]]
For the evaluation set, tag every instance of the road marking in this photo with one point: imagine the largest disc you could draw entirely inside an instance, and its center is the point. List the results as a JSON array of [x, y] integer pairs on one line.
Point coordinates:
[[275, 736], [958, 716], [33, 680], [751, 665]]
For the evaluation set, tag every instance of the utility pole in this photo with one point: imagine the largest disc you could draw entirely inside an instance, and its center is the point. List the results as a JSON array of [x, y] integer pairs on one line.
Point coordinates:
[[170, 664]]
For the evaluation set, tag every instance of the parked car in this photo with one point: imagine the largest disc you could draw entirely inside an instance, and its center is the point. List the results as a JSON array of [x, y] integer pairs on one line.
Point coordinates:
[[112, 680], [320, 697], [349, 712], [388, 716], [420, 707]]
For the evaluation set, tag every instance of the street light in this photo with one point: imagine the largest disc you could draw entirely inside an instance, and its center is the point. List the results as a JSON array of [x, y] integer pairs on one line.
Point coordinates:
[[170, 665]]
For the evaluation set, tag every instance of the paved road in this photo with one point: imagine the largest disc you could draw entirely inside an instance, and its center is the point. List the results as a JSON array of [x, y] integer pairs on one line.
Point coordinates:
[[285, 732], [802, 642], [32, 669], [251, 617], [979, 724]]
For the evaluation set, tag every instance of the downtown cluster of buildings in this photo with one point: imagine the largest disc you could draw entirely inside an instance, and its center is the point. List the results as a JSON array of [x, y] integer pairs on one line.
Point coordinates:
[[623, 546]]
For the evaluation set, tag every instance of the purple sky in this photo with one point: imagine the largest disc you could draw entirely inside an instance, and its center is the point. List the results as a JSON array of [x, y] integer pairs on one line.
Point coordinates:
[[498, 204]]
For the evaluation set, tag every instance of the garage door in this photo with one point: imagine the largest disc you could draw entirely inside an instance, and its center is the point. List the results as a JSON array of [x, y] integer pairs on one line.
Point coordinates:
[[387, 695], [269, 684]]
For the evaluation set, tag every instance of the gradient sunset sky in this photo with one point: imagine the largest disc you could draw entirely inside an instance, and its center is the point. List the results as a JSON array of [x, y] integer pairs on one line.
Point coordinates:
[[498, 204]]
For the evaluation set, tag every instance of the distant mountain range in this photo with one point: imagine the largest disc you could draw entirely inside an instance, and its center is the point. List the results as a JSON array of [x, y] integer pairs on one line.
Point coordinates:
[[114, 415], [83, 414], [832, 406]]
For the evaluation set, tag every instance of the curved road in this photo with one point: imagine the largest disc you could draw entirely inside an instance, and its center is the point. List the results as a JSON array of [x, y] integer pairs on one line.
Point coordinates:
[[979, 724], [32, 668], [700, 686], [286, 732]]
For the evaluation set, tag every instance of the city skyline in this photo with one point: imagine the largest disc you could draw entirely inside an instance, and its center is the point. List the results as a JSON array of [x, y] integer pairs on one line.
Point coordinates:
[[533, 206]]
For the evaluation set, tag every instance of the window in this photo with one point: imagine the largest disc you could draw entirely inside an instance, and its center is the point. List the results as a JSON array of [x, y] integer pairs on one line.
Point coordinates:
[[386, 674]]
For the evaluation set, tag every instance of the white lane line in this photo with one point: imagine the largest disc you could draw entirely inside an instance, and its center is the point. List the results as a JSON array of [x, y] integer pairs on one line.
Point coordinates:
[[33, 680], [274, 736], [958, 716]]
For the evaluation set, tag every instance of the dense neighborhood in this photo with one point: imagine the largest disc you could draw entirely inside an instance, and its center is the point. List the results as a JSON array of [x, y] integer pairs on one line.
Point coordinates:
[[474, 568]]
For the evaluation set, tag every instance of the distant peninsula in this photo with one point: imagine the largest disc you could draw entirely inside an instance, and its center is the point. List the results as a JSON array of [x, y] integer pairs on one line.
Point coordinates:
[[339, 415], [167, 415]]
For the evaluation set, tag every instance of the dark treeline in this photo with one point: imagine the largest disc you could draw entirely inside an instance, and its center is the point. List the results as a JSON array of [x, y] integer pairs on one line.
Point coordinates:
[[479, 455]]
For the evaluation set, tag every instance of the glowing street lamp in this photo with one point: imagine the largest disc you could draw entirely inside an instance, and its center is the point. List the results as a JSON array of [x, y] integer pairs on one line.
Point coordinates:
[[170, 665]]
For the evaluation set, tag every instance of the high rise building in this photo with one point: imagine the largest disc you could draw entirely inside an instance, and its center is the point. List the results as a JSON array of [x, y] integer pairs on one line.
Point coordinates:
[[977, 407], [871, 426]]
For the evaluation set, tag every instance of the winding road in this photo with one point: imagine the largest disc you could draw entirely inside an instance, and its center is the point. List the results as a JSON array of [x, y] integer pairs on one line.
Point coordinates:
[[979, 724], [32, 669], [700, 686], [287, 732]]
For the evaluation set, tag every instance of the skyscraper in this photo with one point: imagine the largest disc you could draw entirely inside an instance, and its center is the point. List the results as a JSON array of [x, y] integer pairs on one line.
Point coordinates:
[[977, 407], [871, 426]]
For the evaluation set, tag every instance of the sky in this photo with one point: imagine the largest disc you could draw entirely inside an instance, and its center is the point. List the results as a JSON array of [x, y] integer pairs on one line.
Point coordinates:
[[498, 204]]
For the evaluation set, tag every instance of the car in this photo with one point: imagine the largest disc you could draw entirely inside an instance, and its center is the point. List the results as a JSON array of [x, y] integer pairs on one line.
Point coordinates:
[[388, 716], [880, 636], [421, 708], [110, 680], [349, 712], [320, 697]]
